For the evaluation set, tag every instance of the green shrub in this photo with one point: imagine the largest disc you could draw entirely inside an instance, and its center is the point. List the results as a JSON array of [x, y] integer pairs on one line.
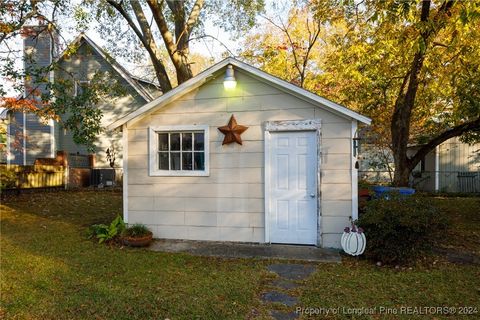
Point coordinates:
[[105, 233], [136, 231], [8, 177], [399, 230]]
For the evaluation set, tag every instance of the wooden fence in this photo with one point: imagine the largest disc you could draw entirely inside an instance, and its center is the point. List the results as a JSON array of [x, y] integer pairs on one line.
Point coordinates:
[[33, 176]]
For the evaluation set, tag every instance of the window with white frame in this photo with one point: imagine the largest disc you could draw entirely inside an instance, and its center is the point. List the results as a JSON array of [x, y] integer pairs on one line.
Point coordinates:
[[179, 150], [81, 86]]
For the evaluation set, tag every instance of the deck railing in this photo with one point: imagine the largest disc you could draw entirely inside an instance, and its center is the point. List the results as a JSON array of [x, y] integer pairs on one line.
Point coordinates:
[[431, 181]]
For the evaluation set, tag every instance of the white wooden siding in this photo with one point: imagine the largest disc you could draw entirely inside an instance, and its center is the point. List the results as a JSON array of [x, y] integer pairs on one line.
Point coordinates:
[[228, 205]]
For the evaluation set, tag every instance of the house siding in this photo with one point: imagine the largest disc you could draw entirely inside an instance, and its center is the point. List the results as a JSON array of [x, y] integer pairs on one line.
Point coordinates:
[[83, 65], [228, 205], [454, 157]]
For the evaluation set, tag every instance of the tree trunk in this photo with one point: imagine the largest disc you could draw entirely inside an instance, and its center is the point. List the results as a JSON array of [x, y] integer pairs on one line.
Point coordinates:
[[182, 34], [400, 178], [404, 104], [402, 171]]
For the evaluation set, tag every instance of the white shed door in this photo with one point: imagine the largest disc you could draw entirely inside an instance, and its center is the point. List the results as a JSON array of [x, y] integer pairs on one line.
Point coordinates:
[[293, 187]]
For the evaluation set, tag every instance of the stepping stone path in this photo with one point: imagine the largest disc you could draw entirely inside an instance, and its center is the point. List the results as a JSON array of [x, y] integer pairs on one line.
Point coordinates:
[[280, 297], [284, 284], [288, 274], [292, 271]]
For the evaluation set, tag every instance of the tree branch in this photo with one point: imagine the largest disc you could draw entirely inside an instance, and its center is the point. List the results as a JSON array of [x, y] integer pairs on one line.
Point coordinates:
[[179, 57], [284, 29], [178, 9], [167, 36], [184, 36], [142, 22], [129, 20], [194, 14], [444, 136], [216, 39], [312, 39], [147, 41], [22, 20]]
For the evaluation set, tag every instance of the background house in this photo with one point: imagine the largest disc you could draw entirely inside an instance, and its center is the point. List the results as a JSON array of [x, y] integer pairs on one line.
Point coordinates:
[[292, 180], [29, 138], [453, 166]]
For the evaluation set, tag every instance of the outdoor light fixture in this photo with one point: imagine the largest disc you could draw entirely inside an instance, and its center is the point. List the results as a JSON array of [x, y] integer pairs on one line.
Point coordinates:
[[356, 149], [229, 81], [356, 146]]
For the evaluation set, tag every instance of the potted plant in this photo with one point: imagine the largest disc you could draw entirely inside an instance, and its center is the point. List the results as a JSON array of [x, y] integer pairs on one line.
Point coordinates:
[[364, 189], [107, 233], [137, 235]]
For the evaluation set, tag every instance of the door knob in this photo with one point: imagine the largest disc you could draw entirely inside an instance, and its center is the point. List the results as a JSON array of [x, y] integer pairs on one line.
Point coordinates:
[[312, 195]]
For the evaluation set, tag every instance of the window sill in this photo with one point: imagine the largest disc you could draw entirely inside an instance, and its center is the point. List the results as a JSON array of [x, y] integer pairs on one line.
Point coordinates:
[[179, 174]]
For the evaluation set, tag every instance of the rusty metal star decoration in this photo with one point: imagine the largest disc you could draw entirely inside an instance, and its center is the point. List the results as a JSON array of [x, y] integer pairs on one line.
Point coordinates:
[[232, 131]]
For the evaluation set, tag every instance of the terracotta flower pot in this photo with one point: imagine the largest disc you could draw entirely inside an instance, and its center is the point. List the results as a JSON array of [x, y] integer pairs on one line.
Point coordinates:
[[138, 241], [363, 193]]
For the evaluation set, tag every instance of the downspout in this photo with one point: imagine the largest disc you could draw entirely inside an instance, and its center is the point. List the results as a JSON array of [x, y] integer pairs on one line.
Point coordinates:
[[125, 171], [24, 120], [51, 121], [24, 138], [354, 171], [437, 168], [9, 123]]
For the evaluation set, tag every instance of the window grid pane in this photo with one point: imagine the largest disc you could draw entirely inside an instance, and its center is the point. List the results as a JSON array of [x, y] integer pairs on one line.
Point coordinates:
[[175, 141], [199, 161], [163, 142], [180, 159], [200, 144], [169, 157], [163, 162], [186, 141], [187, 161], [175, 162]]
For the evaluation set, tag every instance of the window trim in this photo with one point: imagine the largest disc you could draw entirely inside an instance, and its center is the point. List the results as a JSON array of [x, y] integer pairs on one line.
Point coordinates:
[[78, 83], [153, 152]]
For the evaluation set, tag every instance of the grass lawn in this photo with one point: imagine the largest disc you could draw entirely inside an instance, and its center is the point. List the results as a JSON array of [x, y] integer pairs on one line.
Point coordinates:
[[49, 270]]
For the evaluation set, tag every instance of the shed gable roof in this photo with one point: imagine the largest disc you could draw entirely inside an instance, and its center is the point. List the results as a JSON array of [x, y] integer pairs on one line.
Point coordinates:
[[206, 75]]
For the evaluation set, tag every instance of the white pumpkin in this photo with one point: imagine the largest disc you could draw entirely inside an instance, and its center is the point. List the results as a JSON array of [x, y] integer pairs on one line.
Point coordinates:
[[353, 241]]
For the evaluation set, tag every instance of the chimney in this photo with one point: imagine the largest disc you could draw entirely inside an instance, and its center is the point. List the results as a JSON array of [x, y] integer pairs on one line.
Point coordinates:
[[37, 137], [40, 49]]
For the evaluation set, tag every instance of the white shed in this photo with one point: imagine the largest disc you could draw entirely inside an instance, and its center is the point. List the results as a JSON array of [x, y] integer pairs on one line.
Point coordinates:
[[291, 180]]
